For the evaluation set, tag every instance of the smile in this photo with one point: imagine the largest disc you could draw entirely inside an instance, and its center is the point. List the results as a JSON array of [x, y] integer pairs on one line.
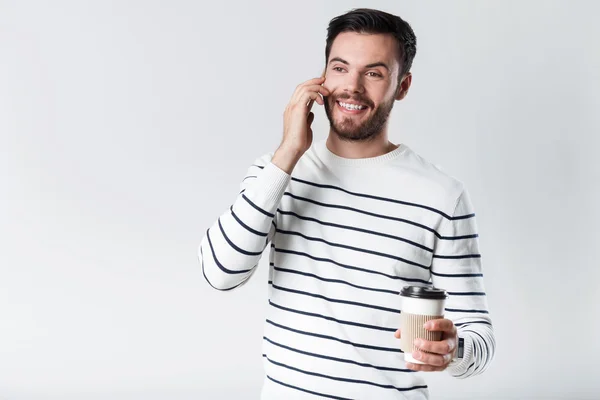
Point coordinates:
[[351, 108]]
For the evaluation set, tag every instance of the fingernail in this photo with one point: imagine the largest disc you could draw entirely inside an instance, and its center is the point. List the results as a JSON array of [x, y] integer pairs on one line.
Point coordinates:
[[416, 354], [427, 325], [418, 342], [447, 357]]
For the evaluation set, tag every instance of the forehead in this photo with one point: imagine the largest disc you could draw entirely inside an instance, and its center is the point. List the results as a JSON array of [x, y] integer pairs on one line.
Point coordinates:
[[364, 48]]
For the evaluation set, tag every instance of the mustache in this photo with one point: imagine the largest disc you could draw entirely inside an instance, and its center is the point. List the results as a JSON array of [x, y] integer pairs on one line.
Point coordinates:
[[358, 99]]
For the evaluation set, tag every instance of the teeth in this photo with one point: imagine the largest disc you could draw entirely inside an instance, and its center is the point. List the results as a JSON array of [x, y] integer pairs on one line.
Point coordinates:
[[351, 106]]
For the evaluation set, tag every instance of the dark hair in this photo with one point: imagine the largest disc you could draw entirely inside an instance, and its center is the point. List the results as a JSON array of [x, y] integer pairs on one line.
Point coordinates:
[[366, 20]]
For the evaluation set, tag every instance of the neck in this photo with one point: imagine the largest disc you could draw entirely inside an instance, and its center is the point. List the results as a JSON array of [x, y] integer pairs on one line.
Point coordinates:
[[379, 146]]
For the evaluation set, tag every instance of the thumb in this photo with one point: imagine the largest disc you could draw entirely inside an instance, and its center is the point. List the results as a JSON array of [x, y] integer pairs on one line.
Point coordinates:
[[397, 334]]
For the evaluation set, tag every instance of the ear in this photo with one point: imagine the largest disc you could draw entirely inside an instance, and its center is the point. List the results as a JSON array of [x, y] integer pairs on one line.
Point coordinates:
[[403, 87]]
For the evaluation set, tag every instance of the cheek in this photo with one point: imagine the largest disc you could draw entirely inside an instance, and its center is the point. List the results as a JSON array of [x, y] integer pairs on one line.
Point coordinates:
[[332, 82], [329, 86], [380, 97]]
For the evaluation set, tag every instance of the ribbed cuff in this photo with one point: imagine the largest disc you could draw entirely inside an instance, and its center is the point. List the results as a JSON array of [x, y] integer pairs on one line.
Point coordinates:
[[459, 366], [268, 188]]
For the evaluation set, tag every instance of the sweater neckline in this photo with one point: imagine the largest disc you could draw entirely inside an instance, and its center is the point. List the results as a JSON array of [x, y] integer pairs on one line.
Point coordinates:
[[329, 157]]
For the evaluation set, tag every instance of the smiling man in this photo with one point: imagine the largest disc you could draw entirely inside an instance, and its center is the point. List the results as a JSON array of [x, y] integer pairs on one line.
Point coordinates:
[[350, 221]]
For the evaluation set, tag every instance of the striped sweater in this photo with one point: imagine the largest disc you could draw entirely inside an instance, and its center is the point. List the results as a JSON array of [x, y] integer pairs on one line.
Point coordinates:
[[345, 236]]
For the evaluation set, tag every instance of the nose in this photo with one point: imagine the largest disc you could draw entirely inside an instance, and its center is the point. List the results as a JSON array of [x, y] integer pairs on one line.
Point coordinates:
[[353, 83]]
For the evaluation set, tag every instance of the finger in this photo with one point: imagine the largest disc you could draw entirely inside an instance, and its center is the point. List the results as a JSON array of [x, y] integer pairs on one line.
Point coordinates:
[[441, 324], [398, 334], [311, 82], [439, 347], [311, 102], [306, 98], [432, 359], [301, 94], [424, 367]]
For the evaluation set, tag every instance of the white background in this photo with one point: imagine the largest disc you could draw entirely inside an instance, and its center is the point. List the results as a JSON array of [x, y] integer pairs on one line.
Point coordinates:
[[125, 128]]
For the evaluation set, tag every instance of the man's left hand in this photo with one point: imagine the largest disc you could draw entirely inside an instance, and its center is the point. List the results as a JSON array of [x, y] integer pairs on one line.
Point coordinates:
[[440, 353]]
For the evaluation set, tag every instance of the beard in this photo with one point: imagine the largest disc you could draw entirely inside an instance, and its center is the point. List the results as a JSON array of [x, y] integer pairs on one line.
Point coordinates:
[[348, 129]]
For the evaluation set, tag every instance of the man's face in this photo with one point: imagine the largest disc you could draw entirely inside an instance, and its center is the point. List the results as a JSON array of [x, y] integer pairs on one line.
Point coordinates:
[[362, 75]]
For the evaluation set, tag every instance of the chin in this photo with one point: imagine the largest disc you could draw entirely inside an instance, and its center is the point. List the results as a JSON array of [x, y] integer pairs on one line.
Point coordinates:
[[357, 134]]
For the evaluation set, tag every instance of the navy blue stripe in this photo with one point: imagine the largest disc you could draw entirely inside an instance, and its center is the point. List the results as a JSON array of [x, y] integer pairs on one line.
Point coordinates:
[[298, 253], [466, 311], [369, 196], [209, 282], [473, 236], [473, 322], [320, 336], [361, 212], [239, 221], [340, 379], [291, 271], [378, 216], [355, 229], [306, 390], [270, 282], [339, 321], [343, 246], [459, 257], [466, 216], [352, 303], [238, 249], [380, 198], [457, 275], [268, 214], [337, 359], [229, 271], [249, 176], [466, 293]]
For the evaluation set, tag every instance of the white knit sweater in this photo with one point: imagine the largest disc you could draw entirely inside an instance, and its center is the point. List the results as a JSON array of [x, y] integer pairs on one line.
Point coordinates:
[[346, 235]]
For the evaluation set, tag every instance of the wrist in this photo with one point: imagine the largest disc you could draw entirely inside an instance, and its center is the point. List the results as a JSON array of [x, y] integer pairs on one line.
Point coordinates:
[[286, 158]]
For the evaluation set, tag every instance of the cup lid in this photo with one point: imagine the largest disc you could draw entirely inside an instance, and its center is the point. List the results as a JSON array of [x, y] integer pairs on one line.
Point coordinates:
[[424, 292]]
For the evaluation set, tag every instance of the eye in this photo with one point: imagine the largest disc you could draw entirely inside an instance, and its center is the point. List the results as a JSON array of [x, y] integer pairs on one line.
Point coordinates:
[[338, 69], [374, 74]]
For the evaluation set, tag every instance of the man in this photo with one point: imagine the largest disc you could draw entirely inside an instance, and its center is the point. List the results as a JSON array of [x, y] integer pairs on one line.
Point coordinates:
[[351, 221]]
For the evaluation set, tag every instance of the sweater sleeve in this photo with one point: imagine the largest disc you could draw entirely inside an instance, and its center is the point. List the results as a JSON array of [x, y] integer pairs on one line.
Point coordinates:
[[457, 268], [232, 247]]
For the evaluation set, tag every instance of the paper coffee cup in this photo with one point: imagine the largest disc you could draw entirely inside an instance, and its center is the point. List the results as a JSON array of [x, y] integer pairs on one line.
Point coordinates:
[[419, 305]]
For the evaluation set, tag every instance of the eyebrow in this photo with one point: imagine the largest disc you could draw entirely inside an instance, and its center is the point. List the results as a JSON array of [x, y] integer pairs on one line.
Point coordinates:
[[373, 65]]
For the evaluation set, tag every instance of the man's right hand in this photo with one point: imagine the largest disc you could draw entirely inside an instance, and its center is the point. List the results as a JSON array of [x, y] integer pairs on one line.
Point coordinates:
[[297, 119]]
